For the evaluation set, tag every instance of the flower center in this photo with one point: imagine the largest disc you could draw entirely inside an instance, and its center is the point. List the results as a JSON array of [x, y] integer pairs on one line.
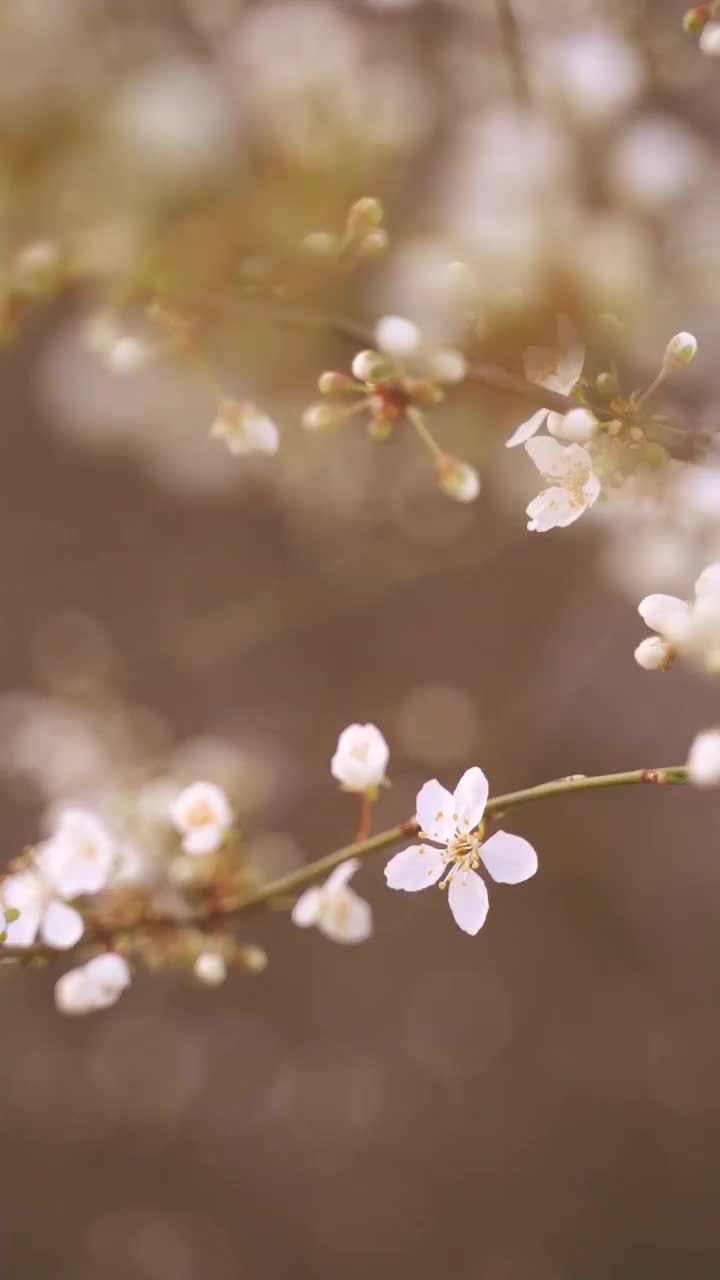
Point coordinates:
[[461, 855]]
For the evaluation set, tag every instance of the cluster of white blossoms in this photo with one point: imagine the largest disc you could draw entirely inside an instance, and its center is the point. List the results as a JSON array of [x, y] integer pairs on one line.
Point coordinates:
[[244, 428], [690, 628], [44, 899]]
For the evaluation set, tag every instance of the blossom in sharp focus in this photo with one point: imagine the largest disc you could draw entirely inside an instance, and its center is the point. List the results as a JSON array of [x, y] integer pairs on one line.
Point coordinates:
[[688, 627], [244, 428], [93, 986], [573, 485], [360, 758], [557, 370], [452, 849], [80, 854], [334, 908], [202, 815], [40, 910]]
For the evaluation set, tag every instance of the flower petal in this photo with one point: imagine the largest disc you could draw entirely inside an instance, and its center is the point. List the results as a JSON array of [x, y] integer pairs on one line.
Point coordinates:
[[468, 901], [340, 876], [469, 800], [346, 918], [508, 858], [434, 811], [307, 908], [415, 868], [62, 926], [571, 357], [554, 508], [206, 839], [526, 429], [667, 615], [549, 456]]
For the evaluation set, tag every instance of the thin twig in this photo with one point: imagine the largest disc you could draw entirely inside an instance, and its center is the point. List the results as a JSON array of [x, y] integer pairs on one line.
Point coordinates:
[[291, 883]]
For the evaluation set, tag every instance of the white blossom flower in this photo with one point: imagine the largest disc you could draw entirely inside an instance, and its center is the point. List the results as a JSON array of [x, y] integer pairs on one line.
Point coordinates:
[[709, 41], [245, 428], [556, 370], [360, 758], [396, 336], [93, 986], [703, 763], [202, 815], [41, 910], [453, 822], [457, 478], [689, 627], [210, 968], [334, 908], [79, 856], [576, 427], [573, 484]]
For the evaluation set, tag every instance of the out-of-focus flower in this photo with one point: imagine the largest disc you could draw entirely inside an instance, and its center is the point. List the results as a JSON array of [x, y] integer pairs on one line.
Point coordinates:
[[360, 758], [79, 856], [689, 627], [453, 822], [396, 336], [202, 815], [457, 479], [556, 370], [93, 986], [40, 910], [710, 40], [127, 355], [334, 908], [210, 968], [244, 428], [573, 487], [703, 763]]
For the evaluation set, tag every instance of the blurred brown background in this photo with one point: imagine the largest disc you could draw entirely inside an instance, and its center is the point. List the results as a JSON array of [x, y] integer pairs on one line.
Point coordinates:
[[540, 1102]]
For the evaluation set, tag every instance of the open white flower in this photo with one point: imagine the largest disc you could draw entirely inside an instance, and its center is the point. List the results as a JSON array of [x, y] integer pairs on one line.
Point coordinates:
[[451, 822], [202, 815], [334, 908], [245, 428], [360, 758], [703, 763], [95, 985], [79, 856], [33, 894], [557, 370], [689, 627], [573, 486]]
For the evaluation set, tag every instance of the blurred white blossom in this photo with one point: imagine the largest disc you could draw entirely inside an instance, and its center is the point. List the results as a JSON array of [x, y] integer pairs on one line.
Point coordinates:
[[93, 986], [203, 816], [557, 370], [244, 428], [573, 485], [334, 908], [691, 628]]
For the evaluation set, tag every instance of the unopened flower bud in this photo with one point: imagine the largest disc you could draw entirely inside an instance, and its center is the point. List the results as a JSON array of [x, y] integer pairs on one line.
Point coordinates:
[[457, 479], [369, 366], [252, 959], [576, 427], [704, 759], [397, 336], [683, 347], [448, 365], [210, 968], [653, 654], [363, 216], [607, 384], [331, 383], [710, 40], [320, 417], [696, 18]]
